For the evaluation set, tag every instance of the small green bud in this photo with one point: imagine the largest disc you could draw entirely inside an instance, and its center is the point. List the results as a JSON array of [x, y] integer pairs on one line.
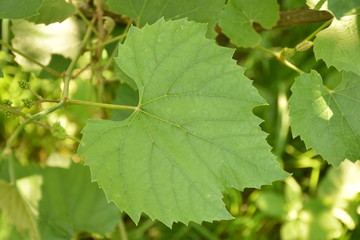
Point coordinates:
[[7, 102], [8, 114], [27, 102], [109, 24], [58, 131], [24, 84], [304, 45], [287, 53]]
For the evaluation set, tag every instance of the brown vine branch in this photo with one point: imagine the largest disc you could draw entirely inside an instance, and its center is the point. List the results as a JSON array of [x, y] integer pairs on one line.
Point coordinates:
[[289, 18], [299, 16]]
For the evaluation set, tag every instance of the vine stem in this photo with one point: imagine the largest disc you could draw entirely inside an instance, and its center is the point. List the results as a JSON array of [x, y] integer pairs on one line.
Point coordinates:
[[46, 68], [94, 104], [278, 57], [68, 74], [326, 24], [102, 105]]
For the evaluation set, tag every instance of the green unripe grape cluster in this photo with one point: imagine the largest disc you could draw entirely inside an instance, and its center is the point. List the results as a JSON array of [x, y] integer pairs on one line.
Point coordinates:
[[24, 84], [58, 131], [27, 102], [7, 103]]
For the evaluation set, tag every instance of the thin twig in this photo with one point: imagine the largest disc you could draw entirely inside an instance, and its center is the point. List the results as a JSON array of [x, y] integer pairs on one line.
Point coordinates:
[[68, 74], [46, 68]]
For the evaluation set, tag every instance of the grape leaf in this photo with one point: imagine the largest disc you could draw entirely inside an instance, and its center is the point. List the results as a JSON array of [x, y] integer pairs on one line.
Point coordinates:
[[192, 135], [149, 11], [238, 16], [9, 231], [71, 204], [327, 120], [317, 4], [16, 9], [339, 44], [1, 73], [340, 7], [53, 11], [16, 209], [125, 95]]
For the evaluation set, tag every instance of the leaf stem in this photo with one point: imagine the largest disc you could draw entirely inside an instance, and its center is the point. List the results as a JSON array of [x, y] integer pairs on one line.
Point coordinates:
[[326, 24], [102, 105], [122, 230], [5, 36], [68, 74], [46, 68], [282, 60], [84, 18]]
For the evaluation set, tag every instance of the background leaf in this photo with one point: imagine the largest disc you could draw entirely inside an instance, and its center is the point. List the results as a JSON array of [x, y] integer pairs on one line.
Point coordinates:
[[125, 95], [71, 204], [327, 120], [16, 9], [149, 11], [191, 136], [237, 20], [17, 210], [339, 7], [52, 11], [339, 44]]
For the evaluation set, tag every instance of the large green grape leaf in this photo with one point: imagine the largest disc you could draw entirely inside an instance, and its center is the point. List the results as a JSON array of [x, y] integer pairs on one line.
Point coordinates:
[[238, 16], [327, 120], [149, 11], [16, 9], [71, 204], [53, 11], [125, 95], [17, 210], [339, 44], [192, 134]]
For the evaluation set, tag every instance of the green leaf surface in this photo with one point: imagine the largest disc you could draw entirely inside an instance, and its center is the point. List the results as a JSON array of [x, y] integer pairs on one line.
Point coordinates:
[[149, 11], [237, 20], [53, 11], [339, 44], [125, 95], [9, 231], [71, 204], [340, 7], [327, 120], [1, 73], [17, 210], [193, 133], [16, 9]]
